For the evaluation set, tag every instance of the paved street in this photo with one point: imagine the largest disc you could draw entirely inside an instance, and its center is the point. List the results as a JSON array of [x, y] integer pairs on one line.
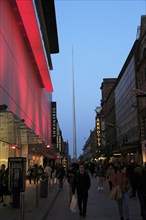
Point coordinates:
[[99, 206], [56, 205]]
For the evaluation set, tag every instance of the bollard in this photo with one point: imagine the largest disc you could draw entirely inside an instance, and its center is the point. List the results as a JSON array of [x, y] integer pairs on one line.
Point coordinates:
[[22, 206], [37, 195]]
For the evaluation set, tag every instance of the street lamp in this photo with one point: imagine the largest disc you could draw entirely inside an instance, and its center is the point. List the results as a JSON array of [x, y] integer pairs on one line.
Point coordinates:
[[98, 109]]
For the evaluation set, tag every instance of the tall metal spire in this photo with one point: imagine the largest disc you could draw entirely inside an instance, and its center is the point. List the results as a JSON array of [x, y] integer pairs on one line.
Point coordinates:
[[74, 115]]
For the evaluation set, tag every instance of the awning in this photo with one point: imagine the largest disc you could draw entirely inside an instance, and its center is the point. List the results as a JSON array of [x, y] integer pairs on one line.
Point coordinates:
[[42, 151], [13, 130]]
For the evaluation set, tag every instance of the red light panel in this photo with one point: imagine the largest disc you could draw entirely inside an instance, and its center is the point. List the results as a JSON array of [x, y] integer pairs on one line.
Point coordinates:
[[27, 12]]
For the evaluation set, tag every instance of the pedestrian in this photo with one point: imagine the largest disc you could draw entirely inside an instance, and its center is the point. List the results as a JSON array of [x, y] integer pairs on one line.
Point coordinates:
[[4, 184], [35, 174], [121, 179], [48, 172], [92, 169], [70, 174], [82, 185], [131, 173], [60, 173], [109, 175], [30, 174], [140, 181], [40, 171], [2, 174], [100, 174]]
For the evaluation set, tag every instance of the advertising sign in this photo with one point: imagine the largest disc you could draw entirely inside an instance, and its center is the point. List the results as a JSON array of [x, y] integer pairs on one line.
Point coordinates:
[[54, 123]]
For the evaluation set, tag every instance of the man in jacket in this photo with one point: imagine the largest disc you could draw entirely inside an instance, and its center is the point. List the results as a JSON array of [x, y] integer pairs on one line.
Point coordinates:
[[82, 184]]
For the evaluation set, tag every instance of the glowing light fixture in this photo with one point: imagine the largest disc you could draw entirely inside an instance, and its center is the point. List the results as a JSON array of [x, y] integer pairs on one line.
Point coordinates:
[[13, 147]]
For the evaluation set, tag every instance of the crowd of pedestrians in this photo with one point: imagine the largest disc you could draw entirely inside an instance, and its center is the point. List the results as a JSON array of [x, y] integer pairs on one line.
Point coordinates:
[[34, 175], [129, 178]]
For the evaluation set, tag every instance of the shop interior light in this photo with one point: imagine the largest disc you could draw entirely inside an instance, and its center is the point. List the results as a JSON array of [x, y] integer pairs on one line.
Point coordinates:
[[13, 147]]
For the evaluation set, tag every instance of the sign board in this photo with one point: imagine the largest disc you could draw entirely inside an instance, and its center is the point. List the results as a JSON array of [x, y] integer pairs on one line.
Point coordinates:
[[54, 123]]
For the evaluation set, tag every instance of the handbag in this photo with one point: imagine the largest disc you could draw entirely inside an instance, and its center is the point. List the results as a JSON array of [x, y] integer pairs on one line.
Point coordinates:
[[116, 193], [73, 204]]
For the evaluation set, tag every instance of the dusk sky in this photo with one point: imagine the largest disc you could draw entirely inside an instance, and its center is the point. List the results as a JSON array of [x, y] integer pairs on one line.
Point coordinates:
[[101, 34]]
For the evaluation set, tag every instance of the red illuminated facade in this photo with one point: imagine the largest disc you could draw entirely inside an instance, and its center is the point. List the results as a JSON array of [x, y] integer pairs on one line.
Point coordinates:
[[25, 66]]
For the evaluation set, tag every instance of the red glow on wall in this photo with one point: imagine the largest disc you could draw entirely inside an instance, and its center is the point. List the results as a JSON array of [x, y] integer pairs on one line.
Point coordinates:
[[20, 88], [28, 16]]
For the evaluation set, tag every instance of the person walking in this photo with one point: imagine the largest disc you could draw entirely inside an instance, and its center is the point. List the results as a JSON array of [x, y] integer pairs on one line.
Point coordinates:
[[140, 182], [121, 179], [30, 174], [60, 173], [109, 175], [35, 174], [2, 174], [100, 174], [48, 172], [4, 184], [81, 185], [70, 178], [131, 172]]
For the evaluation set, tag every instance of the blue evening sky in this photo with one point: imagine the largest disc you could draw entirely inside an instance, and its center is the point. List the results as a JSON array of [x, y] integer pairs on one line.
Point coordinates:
[[101, 34]]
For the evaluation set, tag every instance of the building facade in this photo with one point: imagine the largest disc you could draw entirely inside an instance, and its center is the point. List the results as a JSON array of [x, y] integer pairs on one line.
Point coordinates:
[[141, 85], [25, 83], [127, 124], [123, 111]]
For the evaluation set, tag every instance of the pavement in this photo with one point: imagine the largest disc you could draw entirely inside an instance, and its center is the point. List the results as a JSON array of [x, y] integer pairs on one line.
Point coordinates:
[[32, 206], [56, 205]]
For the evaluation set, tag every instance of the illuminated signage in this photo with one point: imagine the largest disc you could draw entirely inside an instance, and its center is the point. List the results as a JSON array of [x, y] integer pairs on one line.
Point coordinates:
[[98, 132], [54, 123]]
